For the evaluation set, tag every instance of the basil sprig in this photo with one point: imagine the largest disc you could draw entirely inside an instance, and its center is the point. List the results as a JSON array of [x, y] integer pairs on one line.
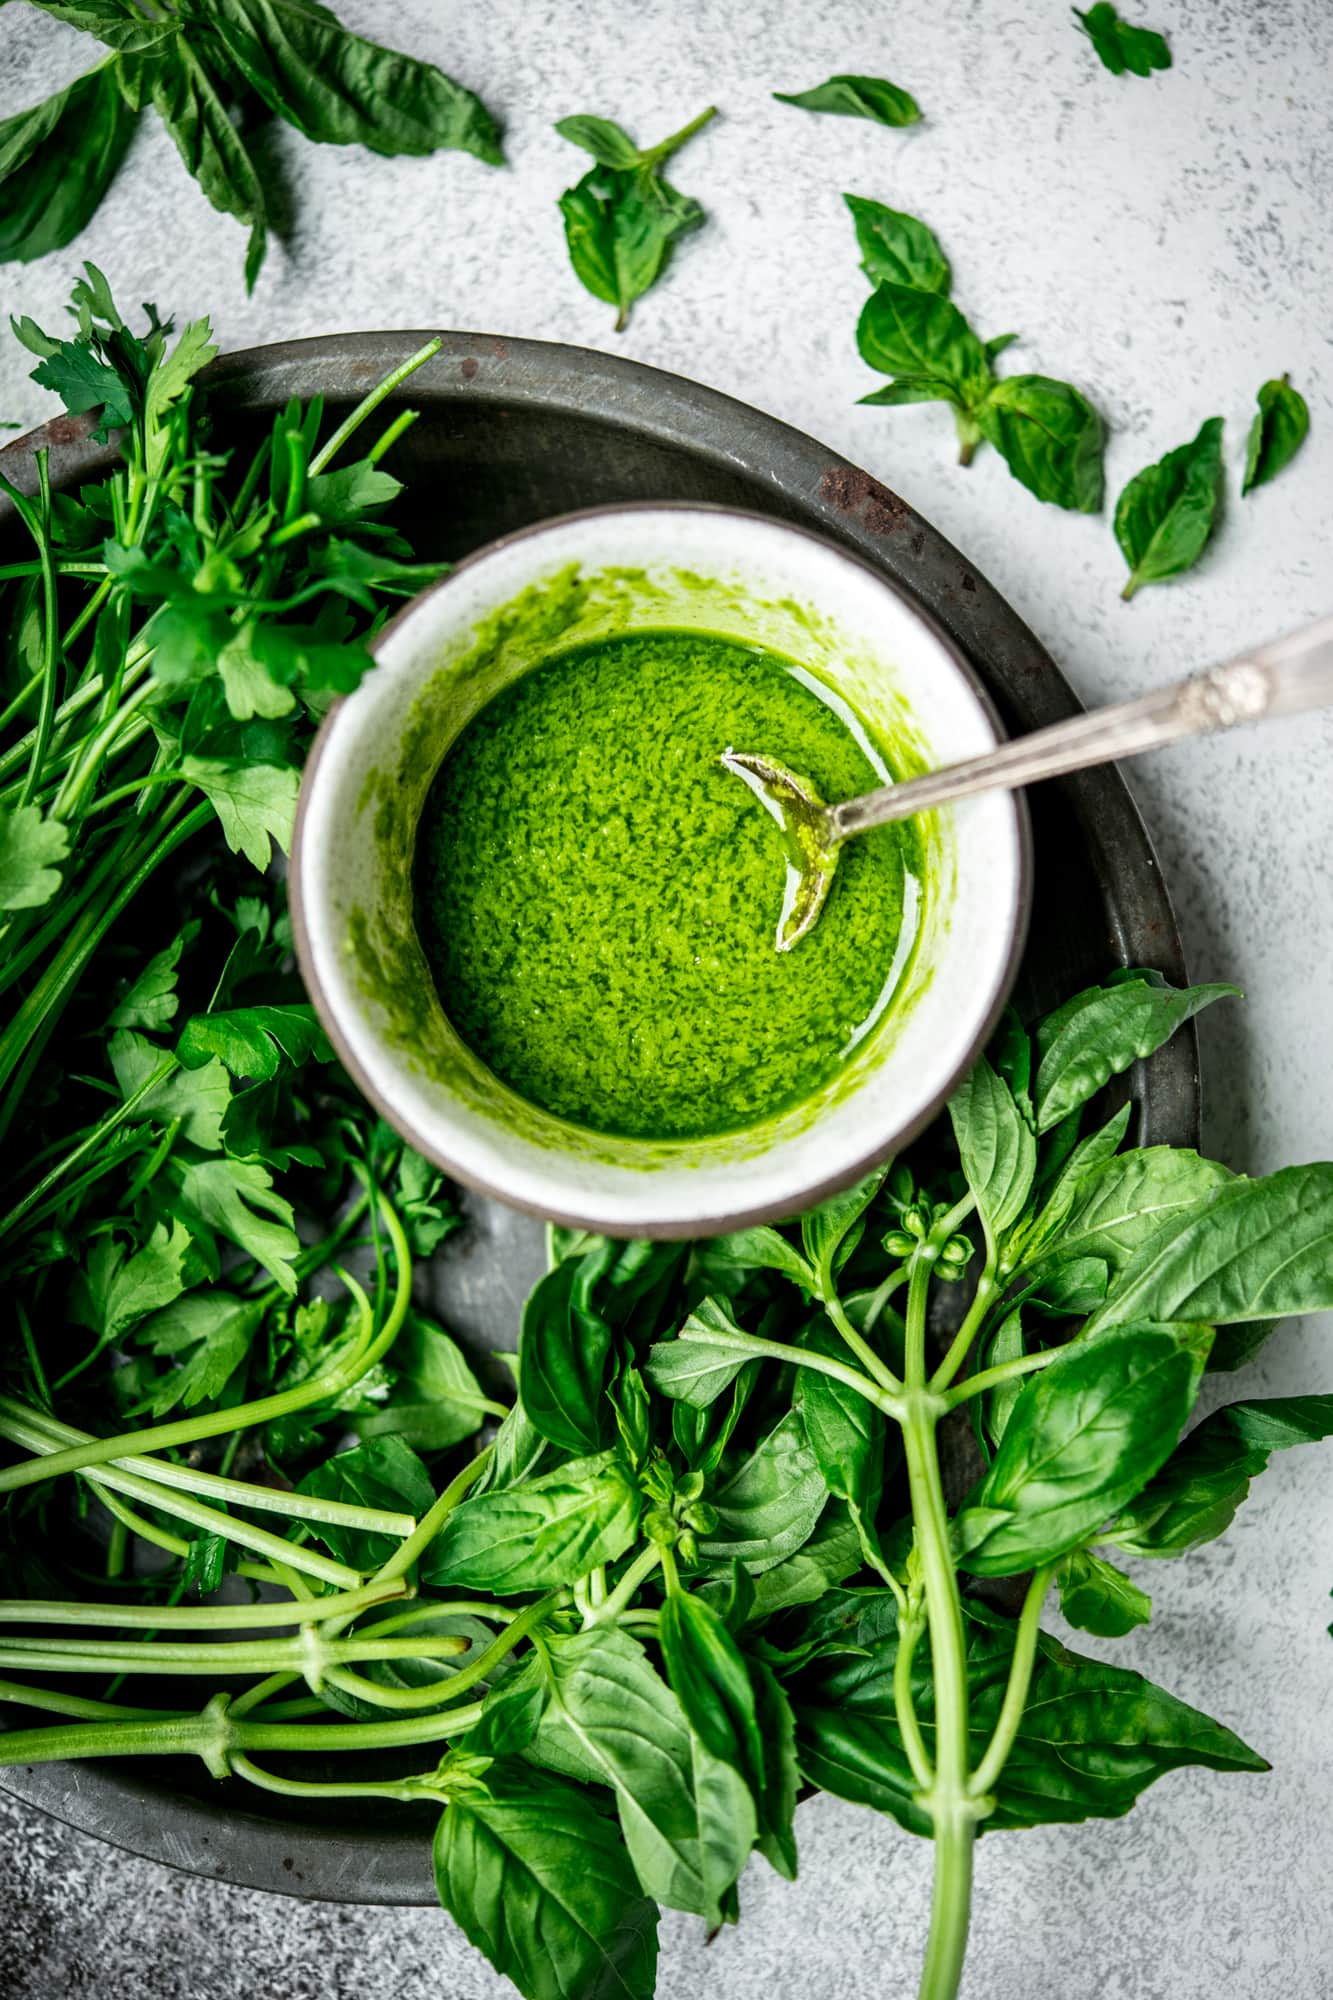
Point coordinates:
[[1047, 431], [623, 217]]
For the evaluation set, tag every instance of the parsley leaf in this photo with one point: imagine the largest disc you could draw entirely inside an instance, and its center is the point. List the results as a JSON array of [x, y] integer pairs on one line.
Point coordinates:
[[31, 846]]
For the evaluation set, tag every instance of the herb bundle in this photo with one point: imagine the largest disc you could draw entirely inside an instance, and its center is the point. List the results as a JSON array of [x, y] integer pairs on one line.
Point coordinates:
[[212, 70], [701, 1553]]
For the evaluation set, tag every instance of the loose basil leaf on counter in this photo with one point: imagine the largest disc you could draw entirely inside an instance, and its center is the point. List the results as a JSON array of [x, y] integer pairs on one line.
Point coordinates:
[[1085, 1436], [1050, 437], [1165, 515], [1277, 433], [1097, 1597], [1195, 1495], [539, 1880], [857, 97], [1120, 45], [563, 1348], [1250, 1250], [1101, 1031], [57, 161], [622, 218], [340, 89], [688, 1819], [548, 1532], [996, 1145], [898, 248], [1091, 1737], [903, 331]]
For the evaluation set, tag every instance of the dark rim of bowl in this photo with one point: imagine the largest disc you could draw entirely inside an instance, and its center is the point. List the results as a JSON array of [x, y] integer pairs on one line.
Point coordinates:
[[704, 1224]]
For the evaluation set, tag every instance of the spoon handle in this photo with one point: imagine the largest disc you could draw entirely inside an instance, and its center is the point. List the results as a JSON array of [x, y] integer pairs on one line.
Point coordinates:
[[1291, 674]]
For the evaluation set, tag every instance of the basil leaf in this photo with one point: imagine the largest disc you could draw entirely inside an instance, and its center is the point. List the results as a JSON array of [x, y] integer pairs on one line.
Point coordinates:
[[384, 1473], [1195, 1495], [909, 389], [825, 1230], [710, 1678], [621, 221], [563, 1348], [996, 1144], [1084, 1437], [1110, 1210], [903, 331], [1277, 433], [185, 95], [1091, 1737], [898, 248], [689, 1368], [1050, 437], [760, 1249], [832, 1554], [548, 1532], [776, 1799], [436, 1400], [1007, 1345], [119, 26], [688, 1819], [1076, 1287], [1104, 1029], [539, 1881], [1119, 45], [1250, 1250], [1096, 1597], [1167, 512], [57, 161], [849, 1438], [609, 143], [857, 97], [339, 89], [255, 1042], [769, 1505], [517, 1451]]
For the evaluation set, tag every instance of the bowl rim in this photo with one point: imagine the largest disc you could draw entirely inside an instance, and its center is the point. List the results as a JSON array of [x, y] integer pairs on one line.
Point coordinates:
[[705, 1224]]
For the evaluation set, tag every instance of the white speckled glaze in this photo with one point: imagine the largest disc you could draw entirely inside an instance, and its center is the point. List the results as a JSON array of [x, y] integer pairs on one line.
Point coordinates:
[[708, 569]]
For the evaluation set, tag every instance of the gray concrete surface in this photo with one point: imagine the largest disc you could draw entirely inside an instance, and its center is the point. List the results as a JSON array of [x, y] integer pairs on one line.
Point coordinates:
[[1166, 244]]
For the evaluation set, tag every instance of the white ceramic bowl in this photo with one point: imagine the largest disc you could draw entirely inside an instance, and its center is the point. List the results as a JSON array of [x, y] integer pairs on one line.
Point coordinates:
[[564, 583]]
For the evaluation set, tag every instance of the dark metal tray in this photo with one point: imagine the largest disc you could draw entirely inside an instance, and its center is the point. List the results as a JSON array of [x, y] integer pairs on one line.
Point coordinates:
[[512, 431]]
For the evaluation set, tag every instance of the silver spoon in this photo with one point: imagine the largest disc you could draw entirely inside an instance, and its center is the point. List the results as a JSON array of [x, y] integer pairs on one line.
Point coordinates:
[[1279, 679]]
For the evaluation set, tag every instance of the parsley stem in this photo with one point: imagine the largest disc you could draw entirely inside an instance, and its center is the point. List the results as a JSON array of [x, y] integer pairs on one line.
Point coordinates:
[[37, 520], [58, 1702], [211, 1617], [378, 395], [230, 1492], [94, 1138], [427, 1646]]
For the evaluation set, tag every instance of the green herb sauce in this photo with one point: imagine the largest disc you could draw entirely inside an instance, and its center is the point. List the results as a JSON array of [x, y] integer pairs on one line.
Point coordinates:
[[598, 899]]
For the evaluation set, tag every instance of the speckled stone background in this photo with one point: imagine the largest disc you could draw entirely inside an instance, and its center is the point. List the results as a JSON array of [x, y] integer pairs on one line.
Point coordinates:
[[1166, 244]]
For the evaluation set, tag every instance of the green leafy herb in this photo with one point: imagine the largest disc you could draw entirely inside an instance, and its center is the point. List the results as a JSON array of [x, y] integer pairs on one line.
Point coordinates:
[[1047, 432], [1097, 1597], [1120, 45], [195, 65], [1166, 514], [1277, 433], [623, 217], [871, 97]]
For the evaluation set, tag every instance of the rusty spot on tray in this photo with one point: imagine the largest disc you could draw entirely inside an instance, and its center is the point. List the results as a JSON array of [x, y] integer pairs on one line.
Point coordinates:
[[969, 582], [850, 491], [469, 365], [68, 429], [500, 349]]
